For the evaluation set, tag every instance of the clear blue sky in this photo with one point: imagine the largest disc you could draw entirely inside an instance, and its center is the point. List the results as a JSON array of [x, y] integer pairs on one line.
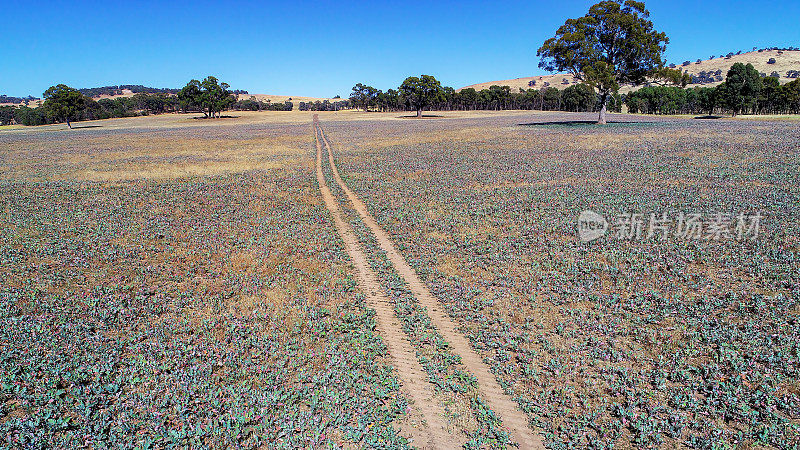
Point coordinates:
[[323, 48]]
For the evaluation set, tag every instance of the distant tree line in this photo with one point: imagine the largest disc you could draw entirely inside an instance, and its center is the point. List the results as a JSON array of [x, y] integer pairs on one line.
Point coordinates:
[[324, 105], [119, 90], [16, 100], [63, 104], [744, 91], [419, 93], [253, 104], [81, 107]]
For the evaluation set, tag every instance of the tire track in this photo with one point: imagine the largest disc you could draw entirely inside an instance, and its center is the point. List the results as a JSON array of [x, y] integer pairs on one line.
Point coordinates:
[[410, 372], [503, 406]]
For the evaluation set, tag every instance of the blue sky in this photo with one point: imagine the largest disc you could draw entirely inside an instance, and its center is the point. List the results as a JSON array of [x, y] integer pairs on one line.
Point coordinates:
[[323, 48]]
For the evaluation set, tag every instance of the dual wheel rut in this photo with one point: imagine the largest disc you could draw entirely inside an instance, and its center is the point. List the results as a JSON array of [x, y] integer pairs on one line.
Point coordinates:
[[410, 372]]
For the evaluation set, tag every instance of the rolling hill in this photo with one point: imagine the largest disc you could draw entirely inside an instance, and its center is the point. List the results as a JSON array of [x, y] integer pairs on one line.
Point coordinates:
[[259, 97], [785, 61]]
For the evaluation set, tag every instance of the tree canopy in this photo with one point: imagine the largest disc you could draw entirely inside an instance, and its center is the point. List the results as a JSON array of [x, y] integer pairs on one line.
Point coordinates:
[[209, 96], [422, 91], [63, 102], [578, 97], [612, 45], [742, 86], [364, 96]]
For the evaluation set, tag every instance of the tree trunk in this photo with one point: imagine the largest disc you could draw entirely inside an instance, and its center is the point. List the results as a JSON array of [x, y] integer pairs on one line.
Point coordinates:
[[419, 113], [604, 104]]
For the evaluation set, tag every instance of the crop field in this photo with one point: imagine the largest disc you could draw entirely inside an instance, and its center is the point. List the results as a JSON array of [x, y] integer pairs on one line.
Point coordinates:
[[168, 282], [147, 304], [623, 343]]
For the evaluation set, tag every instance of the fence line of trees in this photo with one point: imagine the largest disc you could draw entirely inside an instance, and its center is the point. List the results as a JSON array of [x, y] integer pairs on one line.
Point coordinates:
[[425, 92], [324, 105], [253, 104], [119, 90], [744, 91]]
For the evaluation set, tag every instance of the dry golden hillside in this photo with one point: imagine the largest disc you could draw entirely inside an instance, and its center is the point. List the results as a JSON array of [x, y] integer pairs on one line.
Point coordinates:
[[784, 61], [32, 103]]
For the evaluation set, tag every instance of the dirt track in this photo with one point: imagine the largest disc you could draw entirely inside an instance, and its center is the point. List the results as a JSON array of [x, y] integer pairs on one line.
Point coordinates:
[[410, 373]]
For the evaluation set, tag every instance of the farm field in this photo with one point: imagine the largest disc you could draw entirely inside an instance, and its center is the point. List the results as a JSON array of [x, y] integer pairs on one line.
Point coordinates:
[[170, 281], [181, 286], [620, 343]]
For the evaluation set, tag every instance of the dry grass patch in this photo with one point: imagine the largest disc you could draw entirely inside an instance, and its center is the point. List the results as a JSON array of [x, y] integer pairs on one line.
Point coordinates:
[[449, 265], [170, 171], [126, 156]]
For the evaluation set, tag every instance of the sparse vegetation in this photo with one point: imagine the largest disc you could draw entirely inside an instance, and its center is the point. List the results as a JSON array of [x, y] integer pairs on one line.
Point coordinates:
[[212, 310]]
